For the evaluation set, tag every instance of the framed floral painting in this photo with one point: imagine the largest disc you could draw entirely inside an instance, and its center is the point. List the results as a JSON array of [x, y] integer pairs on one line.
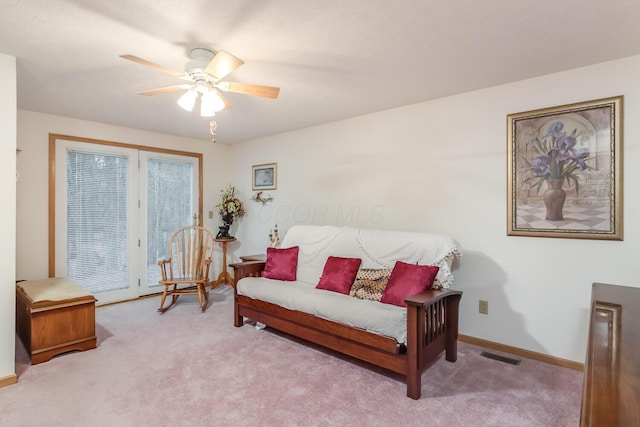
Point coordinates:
[[565, 171]]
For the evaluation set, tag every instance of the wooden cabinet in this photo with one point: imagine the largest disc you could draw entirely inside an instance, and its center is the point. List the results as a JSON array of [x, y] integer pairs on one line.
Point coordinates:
[[611, 395]]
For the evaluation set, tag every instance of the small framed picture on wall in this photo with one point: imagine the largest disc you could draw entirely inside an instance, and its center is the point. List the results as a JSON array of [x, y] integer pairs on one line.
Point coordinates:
[[264, 177]]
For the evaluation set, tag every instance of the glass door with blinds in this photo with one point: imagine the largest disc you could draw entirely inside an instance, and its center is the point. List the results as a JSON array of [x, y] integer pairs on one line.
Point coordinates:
[[169, 200], [115, 208]]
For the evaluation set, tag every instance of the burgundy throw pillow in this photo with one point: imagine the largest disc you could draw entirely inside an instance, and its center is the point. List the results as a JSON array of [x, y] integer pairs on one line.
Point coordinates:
[[281, 264], [406, 280], [339, 274]]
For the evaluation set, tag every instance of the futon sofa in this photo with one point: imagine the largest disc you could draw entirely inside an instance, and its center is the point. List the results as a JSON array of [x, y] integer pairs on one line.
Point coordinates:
[[354, 291]]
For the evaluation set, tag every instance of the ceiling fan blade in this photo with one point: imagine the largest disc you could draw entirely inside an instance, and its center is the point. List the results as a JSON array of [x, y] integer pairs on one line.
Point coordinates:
[[249, 89], [222, 64], [152, 65], [226, 103], [164, 89]]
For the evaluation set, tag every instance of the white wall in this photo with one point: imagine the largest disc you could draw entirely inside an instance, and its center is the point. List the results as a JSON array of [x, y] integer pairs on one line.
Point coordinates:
[[32, 195], [7, 215], [440, 167]]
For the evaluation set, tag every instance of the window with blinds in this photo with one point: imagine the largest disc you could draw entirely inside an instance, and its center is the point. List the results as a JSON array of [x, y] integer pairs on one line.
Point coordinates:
[[169, 206], [97, 231], [115, 207]]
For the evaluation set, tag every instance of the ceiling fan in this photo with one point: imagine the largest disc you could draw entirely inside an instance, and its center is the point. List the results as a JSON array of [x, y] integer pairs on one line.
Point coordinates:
[[204, 74]]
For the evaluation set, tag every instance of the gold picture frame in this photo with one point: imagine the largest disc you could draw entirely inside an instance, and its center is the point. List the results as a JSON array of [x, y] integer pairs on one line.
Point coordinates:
[[264, 177], [564, 171]]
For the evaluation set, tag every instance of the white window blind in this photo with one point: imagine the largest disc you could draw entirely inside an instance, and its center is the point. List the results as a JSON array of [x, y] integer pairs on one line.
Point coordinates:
[[97, 231], [170, 201]]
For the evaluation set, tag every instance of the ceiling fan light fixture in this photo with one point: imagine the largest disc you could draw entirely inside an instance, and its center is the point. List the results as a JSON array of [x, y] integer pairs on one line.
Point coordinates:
[[211, 103], [188, 100], [204, 74]]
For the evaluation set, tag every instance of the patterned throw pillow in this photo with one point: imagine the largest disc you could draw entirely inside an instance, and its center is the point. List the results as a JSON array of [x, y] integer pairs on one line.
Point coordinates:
[[370, 283], [449, 261]]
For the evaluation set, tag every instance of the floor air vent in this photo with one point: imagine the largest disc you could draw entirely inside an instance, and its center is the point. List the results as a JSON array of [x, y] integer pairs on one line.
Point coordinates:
[[500, 358]]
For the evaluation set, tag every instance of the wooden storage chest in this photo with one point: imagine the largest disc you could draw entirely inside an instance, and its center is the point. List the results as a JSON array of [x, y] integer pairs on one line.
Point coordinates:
[[54, 316]]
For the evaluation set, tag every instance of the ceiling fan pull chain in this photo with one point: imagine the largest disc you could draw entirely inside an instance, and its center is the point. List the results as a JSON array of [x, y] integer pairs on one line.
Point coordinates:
[[212, 128]]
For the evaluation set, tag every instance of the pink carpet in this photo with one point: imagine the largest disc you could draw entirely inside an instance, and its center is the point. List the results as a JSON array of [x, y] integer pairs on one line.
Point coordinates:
[[187, 368]]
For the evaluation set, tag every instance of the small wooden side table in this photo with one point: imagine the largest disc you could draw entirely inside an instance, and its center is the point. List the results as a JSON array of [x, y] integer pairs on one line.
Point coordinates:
[[257, 257], [224, 276]]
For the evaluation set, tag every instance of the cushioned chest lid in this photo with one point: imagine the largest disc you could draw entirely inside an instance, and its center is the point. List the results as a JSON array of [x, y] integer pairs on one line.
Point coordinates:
[[54, 289]]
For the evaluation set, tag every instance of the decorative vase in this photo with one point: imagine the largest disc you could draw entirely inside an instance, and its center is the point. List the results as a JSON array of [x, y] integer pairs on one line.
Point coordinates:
[[554, 199], [223, 230]]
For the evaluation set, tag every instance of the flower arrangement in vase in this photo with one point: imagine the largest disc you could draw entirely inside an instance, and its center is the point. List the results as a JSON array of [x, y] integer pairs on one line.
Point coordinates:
[[557, 161], [229, 208]]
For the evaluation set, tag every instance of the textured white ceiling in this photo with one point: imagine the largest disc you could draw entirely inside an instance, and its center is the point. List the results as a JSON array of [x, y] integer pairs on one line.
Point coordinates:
[[332, 59]]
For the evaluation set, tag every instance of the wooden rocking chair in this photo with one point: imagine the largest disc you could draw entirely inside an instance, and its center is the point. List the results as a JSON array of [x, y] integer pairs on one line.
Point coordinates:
[[190, 252]]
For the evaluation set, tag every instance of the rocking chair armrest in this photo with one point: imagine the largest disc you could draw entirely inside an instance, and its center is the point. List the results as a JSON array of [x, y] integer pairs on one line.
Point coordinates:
[[162, 263], [207, 267]]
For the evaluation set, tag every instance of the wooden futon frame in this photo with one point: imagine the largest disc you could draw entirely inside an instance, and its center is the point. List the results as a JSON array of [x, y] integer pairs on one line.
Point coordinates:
[[432, 327]]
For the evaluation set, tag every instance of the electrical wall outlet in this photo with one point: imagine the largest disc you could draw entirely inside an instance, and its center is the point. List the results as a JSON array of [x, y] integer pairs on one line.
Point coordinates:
[[483, 307], [210, 214]]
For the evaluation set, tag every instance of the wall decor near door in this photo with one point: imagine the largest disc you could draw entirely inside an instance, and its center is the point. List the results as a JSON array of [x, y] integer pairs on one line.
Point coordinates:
[[565, 171], [264, 177]]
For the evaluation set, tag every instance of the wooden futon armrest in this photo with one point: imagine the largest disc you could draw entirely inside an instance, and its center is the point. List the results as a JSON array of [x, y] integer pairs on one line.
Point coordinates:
[[430, 296], [247, 269]]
